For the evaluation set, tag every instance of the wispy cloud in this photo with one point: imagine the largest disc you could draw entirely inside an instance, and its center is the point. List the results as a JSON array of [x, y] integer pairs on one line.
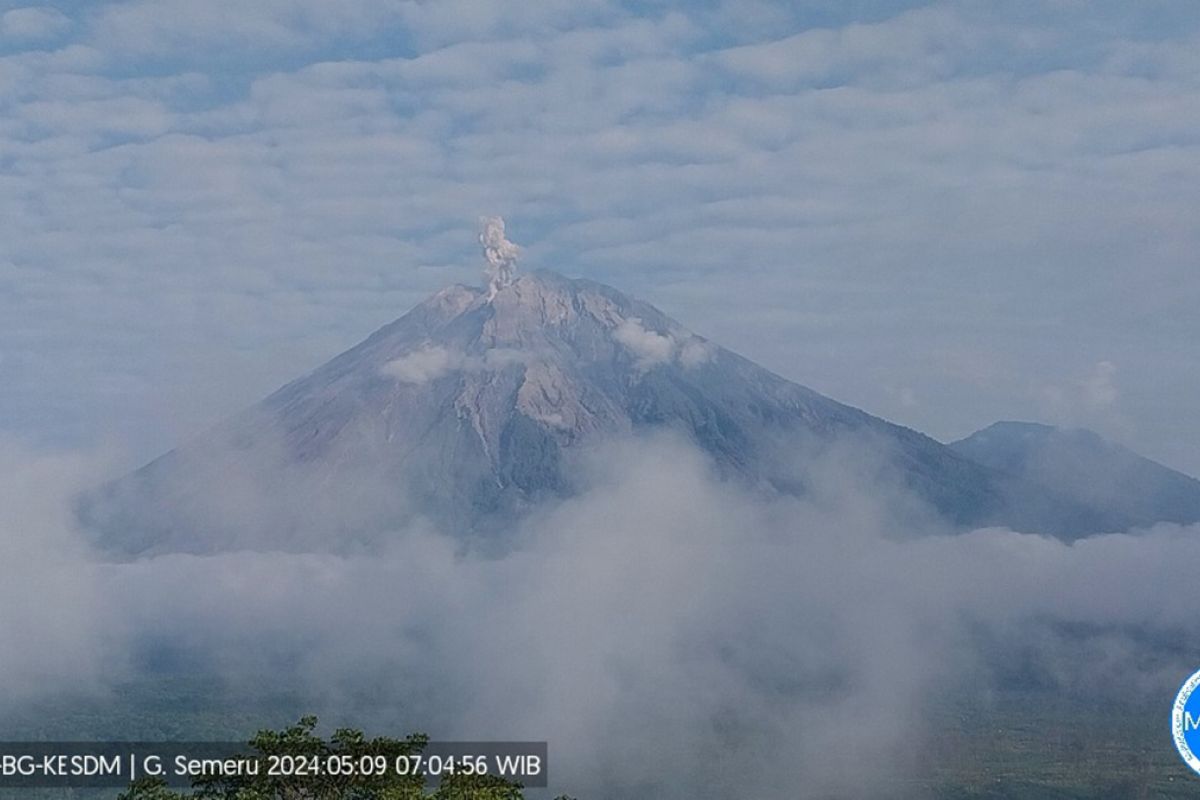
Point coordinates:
[[649, 347], [33, 24], [423, 365]]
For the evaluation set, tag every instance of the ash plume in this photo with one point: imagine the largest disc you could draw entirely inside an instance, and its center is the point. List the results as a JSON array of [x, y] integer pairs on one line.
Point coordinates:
[[500, 253]]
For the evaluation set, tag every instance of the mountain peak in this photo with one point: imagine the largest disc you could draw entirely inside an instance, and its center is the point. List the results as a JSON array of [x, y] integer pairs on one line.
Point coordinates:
[[1012, 441], [521, 310], [1083, 466], [1017, 427], [543, 312], [451, 301], [535, 301]]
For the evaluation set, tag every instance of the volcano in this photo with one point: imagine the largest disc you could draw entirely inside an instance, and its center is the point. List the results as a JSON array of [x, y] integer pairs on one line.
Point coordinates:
[[467, 412]]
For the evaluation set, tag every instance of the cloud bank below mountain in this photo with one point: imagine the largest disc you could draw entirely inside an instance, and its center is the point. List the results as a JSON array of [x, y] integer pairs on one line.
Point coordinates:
[[664, 630]]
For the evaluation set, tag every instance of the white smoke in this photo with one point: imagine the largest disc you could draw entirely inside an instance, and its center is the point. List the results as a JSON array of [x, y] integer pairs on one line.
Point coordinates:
[[501, 254]]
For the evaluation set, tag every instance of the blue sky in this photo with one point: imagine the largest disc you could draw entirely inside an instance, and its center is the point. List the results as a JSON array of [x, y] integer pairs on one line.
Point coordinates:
[[946, 214]]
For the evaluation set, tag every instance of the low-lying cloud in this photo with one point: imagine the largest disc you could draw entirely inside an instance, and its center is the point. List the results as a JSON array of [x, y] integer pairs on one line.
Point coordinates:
[[669, 633], [651, 348], [424, 365], [51, 609], [434, 361]]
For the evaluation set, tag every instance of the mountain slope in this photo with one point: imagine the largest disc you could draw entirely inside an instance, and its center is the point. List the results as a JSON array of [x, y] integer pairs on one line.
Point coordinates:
[[467, 410], [1082, 466]]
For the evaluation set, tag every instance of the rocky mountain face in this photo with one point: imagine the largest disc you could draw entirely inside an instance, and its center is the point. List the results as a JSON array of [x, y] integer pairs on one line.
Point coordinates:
[[1084, 468], [468, 410]]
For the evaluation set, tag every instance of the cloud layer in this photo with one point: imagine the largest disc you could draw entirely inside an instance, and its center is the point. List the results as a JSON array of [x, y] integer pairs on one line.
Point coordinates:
[[665, 631], [200, 201]]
